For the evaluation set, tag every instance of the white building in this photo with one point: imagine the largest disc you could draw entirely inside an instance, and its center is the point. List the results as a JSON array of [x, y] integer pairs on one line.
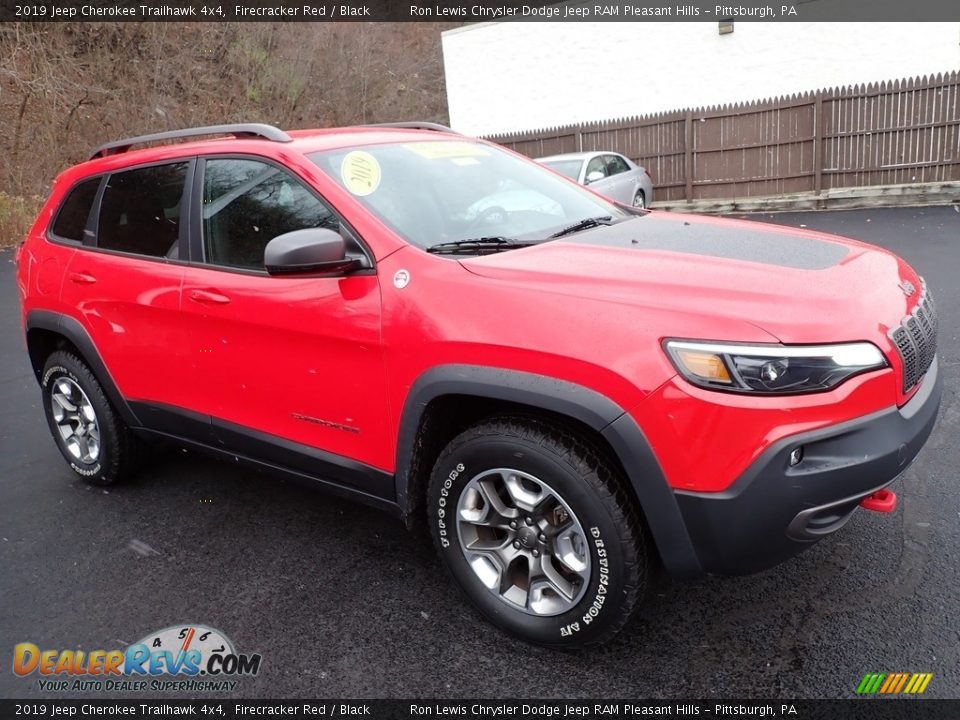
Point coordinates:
[[510, 76]]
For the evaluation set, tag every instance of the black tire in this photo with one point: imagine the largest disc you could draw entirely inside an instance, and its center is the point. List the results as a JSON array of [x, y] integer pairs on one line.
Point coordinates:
[[640, 200], [590, 485], [116, 458]]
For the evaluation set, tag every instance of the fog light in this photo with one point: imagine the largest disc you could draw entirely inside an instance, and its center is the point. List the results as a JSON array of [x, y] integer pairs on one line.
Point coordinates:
[[796, 455]]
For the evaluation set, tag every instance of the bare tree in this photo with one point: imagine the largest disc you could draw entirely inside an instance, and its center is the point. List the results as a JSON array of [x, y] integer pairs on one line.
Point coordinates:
[[65, 88]]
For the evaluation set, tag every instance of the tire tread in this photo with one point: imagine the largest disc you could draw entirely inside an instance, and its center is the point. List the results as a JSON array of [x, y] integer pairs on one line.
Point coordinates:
[[127, 445], [591, 463]]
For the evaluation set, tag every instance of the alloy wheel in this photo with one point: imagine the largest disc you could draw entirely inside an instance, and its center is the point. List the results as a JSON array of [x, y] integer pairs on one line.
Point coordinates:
[[523, 542], [76, 420]]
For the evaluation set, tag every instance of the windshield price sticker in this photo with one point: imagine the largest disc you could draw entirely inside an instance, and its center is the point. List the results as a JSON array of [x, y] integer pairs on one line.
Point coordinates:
[[447, 150]]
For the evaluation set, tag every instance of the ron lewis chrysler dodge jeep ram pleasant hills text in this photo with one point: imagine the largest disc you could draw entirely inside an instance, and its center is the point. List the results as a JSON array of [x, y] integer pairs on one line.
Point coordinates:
[[569, 392]]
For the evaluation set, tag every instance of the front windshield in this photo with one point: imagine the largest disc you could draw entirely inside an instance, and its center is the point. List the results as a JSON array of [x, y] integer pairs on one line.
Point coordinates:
[[570, 168], [449, 191]]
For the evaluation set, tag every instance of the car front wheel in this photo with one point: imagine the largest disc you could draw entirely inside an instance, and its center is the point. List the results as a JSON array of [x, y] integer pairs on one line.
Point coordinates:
[[536, 526]]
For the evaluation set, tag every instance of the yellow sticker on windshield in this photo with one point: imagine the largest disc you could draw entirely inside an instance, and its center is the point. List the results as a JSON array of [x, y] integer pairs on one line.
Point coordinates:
[[451, 149], [360, 172]]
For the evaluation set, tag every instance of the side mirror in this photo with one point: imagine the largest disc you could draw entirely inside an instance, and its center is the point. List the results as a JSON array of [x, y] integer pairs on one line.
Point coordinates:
[[315, 251], [594, 176]]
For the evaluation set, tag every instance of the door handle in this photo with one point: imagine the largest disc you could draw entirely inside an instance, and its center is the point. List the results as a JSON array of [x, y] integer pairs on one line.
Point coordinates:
[[209, 297], [82, 278]]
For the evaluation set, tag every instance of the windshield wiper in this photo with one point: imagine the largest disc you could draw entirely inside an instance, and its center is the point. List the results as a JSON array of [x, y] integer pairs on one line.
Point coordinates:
[[477, 246], [584, 224]]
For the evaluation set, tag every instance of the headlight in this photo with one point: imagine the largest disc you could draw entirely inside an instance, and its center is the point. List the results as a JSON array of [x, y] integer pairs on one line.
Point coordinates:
[[772, 369]]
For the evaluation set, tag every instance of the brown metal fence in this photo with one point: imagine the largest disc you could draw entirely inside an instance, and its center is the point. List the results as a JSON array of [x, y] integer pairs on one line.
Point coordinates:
[[905, 131]]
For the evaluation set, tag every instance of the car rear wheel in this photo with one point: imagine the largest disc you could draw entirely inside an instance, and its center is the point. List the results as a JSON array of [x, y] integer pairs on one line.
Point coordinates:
[[640, 199], [91, 436], [536, 527]]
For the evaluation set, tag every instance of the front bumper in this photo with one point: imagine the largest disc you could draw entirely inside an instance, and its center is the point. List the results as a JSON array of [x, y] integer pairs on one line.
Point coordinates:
[[774, 511]]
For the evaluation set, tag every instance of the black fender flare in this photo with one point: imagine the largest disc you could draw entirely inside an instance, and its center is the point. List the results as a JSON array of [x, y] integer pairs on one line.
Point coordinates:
[[570, 400], [71, 329]]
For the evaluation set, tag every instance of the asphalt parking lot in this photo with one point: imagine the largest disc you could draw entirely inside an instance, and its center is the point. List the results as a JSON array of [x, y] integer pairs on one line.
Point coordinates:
[[342, 602]]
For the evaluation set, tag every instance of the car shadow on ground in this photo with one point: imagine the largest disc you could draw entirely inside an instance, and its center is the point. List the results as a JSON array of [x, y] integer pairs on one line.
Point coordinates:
[[298, 555]]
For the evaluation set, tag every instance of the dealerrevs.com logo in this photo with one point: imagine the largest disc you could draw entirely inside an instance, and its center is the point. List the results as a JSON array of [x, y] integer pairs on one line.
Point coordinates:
[[188, 658]]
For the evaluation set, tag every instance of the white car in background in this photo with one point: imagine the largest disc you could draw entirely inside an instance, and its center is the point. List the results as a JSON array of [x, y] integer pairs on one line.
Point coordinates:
[[609, 173]]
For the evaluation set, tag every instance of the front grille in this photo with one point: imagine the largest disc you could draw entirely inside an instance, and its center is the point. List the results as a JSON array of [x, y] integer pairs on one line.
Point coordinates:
[[916, 339]]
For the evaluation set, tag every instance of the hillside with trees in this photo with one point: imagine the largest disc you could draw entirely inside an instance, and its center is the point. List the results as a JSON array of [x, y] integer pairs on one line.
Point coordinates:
[[66, 88]]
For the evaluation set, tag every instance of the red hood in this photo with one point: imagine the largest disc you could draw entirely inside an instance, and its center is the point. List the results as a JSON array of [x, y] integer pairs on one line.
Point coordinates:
[[799, 286]]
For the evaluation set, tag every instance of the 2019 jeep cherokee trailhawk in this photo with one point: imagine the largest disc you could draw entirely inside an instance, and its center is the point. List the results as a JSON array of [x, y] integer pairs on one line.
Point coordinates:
[[566, 390]]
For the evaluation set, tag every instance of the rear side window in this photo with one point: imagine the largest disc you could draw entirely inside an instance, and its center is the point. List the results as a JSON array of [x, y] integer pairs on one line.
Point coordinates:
[[616, 165], [140, 210], [72, 219], [247, 203]]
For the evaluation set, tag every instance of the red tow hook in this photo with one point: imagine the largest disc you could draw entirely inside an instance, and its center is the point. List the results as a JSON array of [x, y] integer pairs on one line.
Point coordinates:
[[882, 501]]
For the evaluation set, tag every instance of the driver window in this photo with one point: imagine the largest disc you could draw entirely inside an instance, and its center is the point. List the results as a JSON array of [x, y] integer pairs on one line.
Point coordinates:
[[597, 164], [247, 203]]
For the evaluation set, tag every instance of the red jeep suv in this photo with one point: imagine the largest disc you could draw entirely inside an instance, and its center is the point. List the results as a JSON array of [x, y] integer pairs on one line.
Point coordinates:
[[569, 392]]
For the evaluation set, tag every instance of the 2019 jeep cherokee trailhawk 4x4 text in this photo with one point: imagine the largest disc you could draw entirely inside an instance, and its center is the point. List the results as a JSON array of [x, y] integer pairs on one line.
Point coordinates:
[[566, 390]]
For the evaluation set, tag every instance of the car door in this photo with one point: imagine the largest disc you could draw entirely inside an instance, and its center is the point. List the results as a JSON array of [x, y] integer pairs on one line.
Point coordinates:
[[605, 185], [283, 364], [620, 182], [123, 283]]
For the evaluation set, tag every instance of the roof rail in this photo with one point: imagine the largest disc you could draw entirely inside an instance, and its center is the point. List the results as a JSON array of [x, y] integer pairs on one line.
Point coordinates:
[[260, 130], [415, 125]]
